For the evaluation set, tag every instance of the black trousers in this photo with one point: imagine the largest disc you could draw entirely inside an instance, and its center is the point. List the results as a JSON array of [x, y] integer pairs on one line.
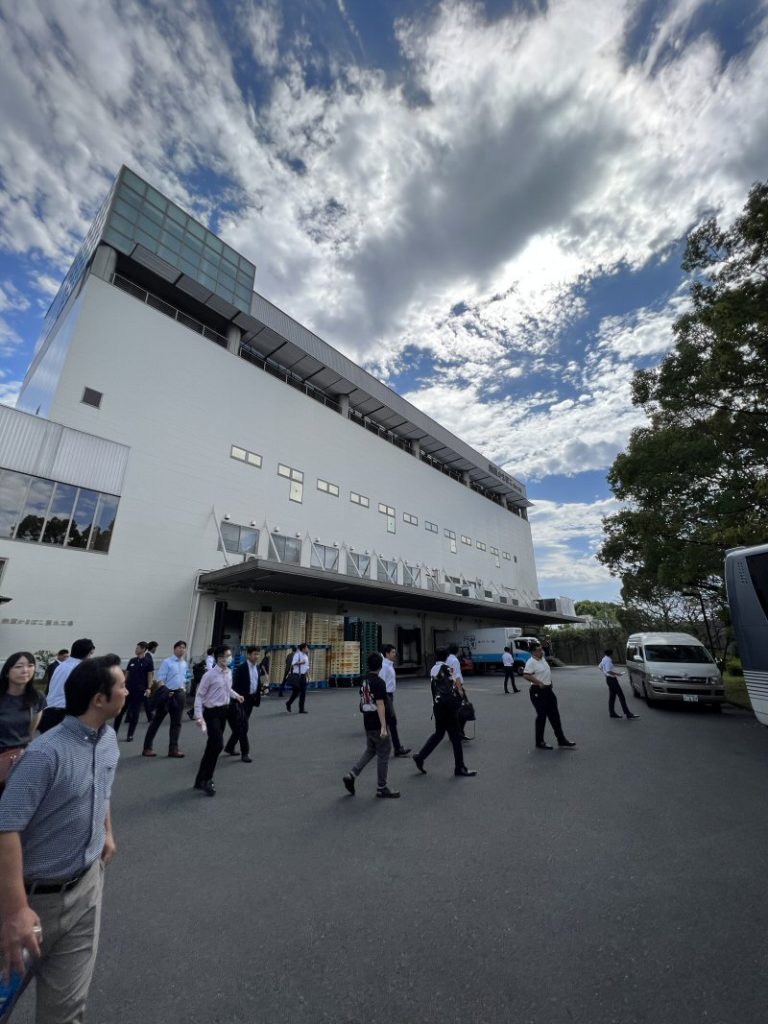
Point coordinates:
[[300, 691], [445, 722], [509, 677], [173, 706], [545, 702], [238, 719], [131, 711], [614, 691], [51, 717], [392, 722], [215, 721]]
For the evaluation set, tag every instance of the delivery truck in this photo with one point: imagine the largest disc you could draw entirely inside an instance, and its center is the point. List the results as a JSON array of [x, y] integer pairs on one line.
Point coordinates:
[[484, 647]]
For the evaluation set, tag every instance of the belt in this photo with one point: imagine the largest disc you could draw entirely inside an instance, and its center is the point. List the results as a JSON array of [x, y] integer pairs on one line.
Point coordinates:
[[46, 888]]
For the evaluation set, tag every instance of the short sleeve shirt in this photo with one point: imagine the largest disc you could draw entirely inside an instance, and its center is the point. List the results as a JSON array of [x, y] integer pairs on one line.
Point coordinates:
[[379, 693], [454, 664], [16, 719], [137, 673], [607, 666], [540, 669], [300, 663]]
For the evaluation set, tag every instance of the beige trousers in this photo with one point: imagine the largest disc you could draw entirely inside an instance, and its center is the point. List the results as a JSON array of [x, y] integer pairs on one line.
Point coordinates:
[[70, 922]]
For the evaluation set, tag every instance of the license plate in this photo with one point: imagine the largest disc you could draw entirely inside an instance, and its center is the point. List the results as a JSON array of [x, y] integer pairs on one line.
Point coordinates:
[[691, 697]]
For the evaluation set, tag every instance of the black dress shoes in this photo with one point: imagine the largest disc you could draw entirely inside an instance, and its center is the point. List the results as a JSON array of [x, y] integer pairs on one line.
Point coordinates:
[[567, 745], [419, 762], [543, 746], [403, 752], [246, 759], [209, 789], [465, 773]]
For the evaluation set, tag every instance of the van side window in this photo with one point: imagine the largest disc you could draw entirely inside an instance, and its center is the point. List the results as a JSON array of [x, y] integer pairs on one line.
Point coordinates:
[[633, 654]]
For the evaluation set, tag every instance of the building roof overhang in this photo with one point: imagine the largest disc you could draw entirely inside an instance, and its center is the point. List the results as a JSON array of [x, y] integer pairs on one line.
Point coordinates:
[[264, 576]]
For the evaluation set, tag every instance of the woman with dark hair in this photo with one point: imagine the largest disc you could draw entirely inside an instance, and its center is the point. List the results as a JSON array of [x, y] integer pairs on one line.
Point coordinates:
[[20, 708]]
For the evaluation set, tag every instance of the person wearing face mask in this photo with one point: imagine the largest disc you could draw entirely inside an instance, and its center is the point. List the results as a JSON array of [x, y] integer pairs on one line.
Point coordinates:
[[20, 709], [211, 707]]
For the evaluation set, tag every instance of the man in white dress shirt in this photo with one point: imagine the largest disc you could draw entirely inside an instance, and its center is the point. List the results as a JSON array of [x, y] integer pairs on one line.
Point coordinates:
[[299, 677], [388, 674], [539, 675], [611, 674], [508, 661]]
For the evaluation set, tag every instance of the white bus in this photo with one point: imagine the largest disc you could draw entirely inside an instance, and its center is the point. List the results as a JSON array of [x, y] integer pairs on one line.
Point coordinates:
[[746, 580]]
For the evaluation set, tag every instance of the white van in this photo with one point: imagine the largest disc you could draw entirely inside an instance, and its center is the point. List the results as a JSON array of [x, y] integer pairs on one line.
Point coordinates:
[[673, 666]]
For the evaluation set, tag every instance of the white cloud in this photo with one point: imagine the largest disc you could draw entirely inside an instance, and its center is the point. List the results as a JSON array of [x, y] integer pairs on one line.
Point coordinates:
[[566, 537], [644, 331]]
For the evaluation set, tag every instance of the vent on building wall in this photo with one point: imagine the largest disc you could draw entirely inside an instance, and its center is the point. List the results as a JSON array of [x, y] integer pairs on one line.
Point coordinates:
[[91, 397]]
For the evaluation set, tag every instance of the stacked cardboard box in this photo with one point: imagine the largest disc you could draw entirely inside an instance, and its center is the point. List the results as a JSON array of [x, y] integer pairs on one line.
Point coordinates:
[[324, 629], [345, 658]]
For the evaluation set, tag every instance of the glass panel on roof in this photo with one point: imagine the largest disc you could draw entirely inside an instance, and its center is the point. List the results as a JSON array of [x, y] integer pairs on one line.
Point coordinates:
[[214, 243], [207, 267], [176, 214], [207, 280], [145, 239], [156, 198], [134, 181], [172, 243], [245, 265], [152, 214], [119, 241], [168, 254], [172, 228], [128, 211], [121, 224], [149, 226], [190, 242], [227, 281], [231, 257], [195, 229]]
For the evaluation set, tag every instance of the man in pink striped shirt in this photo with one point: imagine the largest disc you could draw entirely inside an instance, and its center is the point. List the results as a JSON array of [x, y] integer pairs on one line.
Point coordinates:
[[211, 705]]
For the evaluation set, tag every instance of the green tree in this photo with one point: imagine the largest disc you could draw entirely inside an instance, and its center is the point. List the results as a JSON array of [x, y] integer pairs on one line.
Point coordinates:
[[695, 479], [602, 611]]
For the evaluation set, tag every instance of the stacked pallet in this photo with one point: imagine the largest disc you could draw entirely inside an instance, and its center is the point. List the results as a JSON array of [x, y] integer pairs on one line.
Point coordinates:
[[370, 642], [318, 665], [345, 658], [324, 629], [257, 628], [289, 627]]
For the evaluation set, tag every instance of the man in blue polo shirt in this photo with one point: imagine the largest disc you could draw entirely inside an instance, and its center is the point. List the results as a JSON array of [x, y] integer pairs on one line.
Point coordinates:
[[171, 698], [55, 840]]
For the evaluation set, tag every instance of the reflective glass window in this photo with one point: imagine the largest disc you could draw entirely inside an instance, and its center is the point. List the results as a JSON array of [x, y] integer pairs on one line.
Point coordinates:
[[196, 229], [32, 518], [13, 494], [325, 557], [104, 523], [59, 514], [176, 214], [82, 520]]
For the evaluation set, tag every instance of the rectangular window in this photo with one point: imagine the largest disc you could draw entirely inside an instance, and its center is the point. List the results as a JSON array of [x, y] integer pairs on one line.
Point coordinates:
[[412, 575], [104, 522], [432, 527], [358, 565], [13, 495], [239, 540], [408, 518], [325, 557], [296, 486], [35, 510], [466, 540], [386, 572], [389, 512], [59, 514], [82, 521], [495, 552], [507, 555], [285, 549], [91, 397], [326, 488], [450, 534], [243, 455], [480, 545], [515, 558], [358, 499]]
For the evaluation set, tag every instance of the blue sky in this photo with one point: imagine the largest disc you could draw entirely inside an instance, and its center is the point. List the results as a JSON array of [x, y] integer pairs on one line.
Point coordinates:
[[483, 203]]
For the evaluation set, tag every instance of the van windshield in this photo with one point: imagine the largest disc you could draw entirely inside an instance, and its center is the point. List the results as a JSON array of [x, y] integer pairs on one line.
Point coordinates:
[[679, 653]]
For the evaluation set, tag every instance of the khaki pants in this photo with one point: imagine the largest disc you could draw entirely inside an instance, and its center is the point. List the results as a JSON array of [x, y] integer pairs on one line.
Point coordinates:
[[70, 922]]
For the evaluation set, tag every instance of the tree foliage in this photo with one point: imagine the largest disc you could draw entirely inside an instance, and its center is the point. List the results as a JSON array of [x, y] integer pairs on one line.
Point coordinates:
[[695, 479]]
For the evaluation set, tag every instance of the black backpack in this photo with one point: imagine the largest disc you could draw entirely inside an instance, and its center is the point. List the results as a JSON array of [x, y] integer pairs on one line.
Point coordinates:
[[445, 693]]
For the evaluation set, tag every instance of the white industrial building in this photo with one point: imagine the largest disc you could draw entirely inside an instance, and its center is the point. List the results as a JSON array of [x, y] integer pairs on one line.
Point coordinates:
[[184, 452]]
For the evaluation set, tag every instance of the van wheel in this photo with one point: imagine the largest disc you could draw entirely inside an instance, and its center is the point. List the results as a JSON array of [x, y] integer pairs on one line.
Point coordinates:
[[648, 700]]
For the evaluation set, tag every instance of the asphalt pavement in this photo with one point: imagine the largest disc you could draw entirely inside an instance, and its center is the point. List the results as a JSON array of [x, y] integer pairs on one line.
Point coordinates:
[[619, 883]]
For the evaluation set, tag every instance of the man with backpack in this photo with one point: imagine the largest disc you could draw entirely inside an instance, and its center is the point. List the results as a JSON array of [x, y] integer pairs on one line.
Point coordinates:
[[447, 695], [373, 705]]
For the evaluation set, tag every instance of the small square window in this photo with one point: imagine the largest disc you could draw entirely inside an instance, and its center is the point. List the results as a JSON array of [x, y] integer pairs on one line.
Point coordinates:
[[466, 540], [296, 491], [91, 397], [239, 453], [253, 459], [283, 471], [432, 527], [480, 545]]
